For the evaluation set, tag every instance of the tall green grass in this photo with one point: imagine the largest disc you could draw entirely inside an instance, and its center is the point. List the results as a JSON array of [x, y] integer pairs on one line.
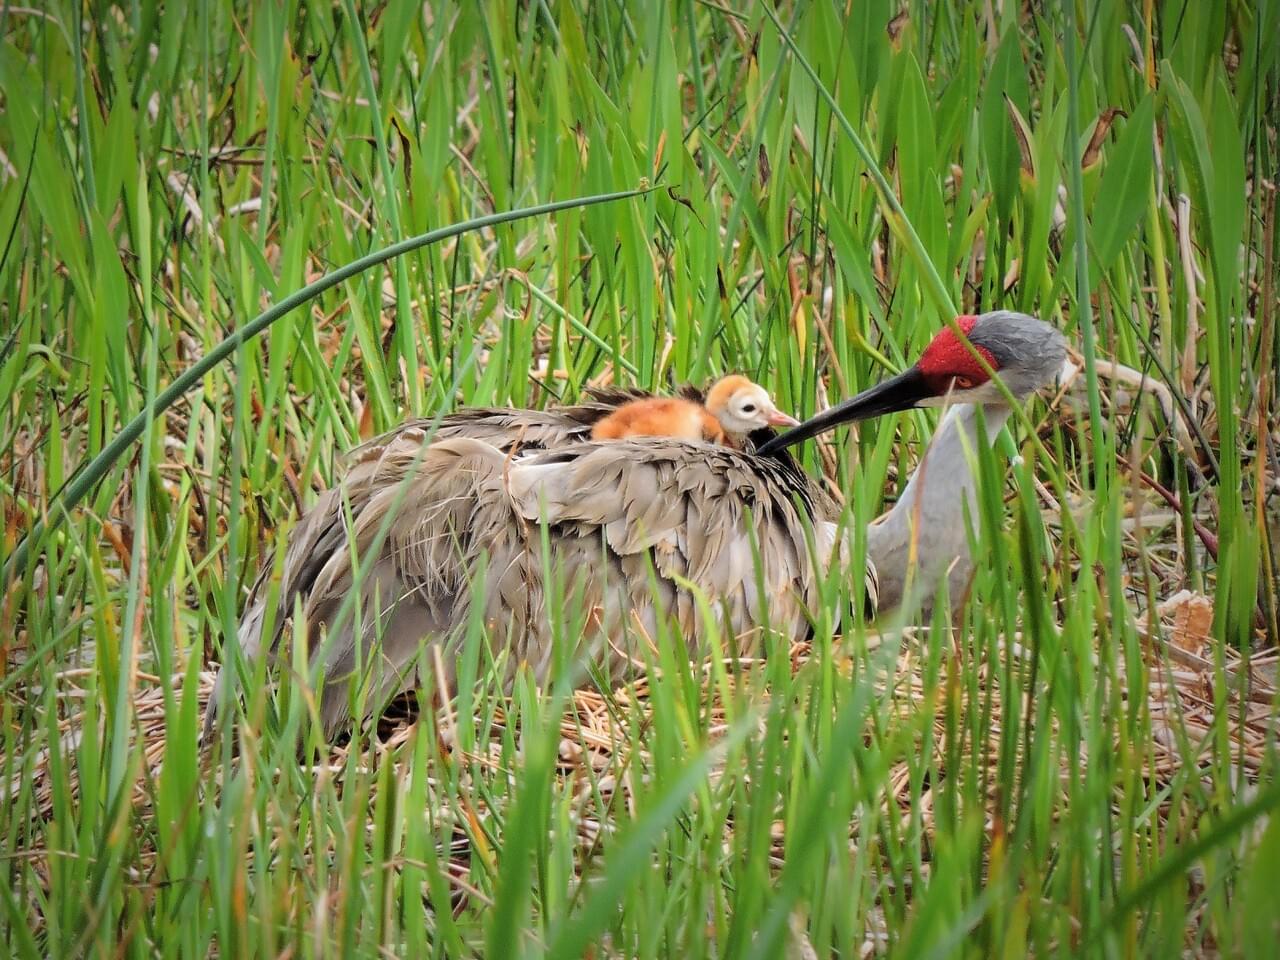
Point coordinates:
[[832, 184]]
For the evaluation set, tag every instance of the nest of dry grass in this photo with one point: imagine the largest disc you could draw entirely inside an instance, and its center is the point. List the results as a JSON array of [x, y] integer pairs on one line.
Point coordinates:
[[1187, 698]]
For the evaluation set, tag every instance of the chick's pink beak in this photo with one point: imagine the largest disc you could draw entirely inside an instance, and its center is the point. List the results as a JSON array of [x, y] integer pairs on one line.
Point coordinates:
[[779, 419]]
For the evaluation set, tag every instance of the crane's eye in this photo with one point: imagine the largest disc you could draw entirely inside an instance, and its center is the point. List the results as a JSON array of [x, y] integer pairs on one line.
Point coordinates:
[[963, 383]]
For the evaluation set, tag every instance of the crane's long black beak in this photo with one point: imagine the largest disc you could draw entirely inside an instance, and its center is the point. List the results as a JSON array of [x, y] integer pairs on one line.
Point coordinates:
[[902, 392]]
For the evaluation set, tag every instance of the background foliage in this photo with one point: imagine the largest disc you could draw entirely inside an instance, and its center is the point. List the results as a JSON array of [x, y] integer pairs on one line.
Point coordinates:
[[169, 170]]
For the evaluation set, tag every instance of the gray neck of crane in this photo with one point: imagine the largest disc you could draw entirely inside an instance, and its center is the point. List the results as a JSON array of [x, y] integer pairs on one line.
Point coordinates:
[[932, 511]]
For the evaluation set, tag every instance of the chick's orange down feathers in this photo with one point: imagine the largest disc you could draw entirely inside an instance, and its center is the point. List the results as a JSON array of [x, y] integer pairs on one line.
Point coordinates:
[[735, 407], [659, 417]]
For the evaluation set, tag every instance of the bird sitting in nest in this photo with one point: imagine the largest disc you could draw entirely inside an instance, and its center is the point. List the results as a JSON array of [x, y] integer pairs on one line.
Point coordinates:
[[429, 533]]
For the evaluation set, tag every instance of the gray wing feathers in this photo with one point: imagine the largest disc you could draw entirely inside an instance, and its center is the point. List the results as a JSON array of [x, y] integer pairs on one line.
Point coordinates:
[[695, 511], [507, 428], [629, 521]]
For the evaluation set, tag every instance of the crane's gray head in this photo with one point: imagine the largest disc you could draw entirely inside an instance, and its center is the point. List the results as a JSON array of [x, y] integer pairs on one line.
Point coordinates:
[[1025, 353]]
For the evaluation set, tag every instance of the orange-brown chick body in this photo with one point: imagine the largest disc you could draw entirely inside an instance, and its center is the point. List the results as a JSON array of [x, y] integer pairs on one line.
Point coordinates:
[[734, 407], [659, 417]]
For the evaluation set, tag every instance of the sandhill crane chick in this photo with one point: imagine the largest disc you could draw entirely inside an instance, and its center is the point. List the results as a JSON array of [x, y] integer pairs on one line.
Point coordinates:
[[741, 407], [735, 407]]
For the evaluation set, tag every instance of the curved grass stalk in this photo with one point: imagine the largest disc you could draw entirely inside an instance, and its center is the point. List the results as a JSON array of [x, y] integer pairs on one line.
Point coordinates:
[[92, 472]]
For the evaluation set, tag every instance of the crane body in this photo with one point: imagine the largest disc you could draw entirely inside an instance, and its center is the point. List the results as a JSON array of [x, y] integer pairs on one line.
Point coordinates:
[[501, 515]]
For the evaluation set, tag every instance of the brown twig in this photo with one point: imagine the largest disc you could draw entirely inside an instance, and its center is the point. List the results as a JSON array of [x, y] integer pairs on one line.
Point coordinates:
[[1207, 536]]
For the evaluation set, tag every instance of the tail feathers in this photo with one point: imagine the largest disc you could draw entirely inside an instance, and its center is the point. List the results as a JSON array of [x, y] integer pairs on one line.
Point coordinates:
[[405, 601], [249, 638]]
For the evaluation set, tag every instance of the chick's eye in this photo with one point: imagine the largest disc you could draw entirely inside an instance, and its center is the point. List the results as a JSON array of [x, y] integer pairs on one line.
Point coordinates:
[[749, 408], [963, 383]]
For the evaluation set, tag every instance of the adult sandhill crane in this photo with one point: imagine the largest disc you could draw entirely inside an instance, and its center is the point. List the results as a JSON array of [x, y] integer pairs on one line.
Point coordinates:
[[456, 531], [734, 409]]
